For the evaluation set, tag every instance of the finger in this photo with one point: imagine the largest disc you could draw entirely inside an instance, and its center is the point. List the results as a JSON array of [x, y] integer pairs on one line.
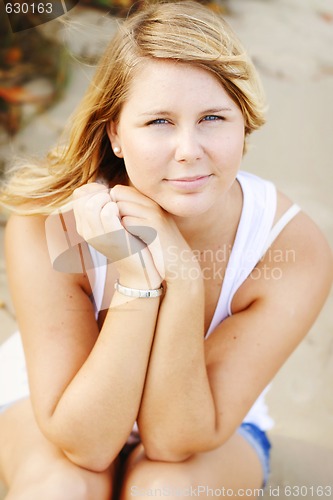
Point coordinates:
[[129, 193], [87, 213], [135, 227], [133, 209], [88, 189], [110, 217], [83, 193], [120, 242]]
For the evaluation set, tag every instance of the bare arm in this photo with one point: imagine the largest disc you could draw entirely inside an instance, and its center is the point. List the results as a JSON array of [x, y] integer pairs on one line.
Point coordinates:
[[198, 392], [86, 385]]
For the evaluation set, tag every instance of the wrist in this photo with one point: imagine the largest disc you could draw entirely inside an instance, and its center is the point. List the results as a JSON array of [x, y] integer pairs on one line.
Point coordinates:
[[139, 272], [140, 282], [138, 293]]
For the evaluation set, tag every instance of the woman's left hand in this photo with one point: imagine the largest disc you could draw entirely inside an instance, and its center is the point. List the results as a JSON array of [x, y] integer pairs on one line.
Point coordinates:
[[144, 218]]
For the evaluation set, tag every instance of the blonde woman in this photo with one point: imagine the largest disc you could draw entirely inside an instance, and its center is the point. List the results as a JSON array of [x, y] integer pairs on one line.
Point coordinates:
[[150, 316]]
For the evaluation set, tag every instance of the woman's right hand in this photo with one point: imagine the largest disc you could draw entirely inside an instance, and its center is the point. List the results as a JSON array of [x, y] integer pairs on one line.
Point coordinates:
[[98, 223]]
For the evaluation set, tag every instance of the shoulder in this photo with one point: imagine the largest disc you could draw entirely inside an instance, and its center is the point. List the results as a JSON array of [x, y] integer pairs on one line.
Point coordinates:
[[297, 266], [24, 237], [303, 238], [34, 242]]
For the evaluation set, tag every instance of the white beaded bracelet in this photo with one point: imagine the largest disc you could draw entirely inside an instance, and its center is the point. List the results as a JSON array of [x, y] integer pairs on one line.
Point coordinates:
[[138, 293]]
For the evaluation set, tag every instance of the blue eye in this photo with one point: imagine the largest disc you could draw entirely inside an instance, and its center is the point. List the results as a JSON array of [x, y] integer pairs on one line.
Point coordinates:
[[158, 121], [212, 118]]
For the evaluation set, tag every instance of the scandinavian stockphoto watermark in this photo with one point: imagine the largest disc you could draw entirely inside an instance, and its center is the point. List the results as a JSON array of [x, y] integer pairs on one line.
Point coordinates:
[[180, 264], [204, 491], [224, 264], [67, 254]]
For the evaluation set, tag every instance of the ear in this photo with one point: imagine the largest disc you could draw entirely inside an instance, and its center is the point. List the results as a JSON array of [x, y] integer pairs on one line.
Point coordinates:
[[112, 131]]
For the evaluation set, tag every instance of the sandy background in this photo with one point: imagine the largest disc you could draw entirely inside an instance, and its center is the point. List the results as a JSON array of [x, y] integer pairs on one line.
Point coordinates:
[[292, 45]]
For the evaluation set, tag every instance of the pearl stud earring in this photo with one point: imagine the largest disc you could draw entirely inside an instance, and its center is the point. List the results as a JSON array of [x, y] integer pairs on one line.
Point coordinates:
[[116, 150]]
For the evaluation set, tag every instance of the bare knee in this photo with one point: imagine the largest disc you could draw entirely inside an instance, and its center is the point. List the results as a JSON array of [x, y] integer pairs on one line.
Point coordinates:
[[158, 479], [65, 484]]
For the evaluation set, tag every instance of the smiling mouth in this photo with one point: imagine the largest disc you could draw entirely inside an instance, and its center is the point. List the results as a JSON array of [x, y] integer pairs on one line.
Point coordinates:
[[188, 179], [189, 183]]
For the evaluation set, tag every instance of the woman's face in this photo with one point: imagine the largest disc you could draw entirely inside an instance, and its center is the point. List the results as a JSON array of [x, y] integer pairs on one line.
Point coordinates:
[[181, 137]]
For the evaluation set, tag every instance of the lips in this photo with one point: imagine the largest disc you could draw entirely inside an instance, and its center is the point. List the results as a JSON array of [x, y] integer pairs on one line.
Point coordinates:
[[189, 179], [189, 183]]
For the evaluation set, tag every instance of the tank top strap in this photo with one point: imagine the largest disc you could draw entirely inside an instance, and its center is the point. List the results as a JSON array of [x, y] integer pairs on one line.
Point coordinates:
[[280, 225]]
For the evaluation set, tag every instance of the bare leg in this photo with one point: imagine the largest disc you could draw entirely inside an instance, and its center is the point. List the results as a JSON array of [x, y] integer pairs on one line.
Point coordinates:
[[35, 469], [234, 466]]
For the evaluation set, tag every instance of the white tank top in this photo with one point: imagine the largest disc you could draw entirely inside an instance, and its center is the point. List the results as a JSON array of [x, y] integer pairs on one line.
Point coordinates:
[[254, 236]]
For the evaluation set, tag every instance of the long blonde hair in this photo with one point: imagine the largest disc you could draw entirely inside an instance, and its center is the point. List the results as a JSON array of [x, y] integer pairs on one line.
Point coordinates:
[[183, 31]]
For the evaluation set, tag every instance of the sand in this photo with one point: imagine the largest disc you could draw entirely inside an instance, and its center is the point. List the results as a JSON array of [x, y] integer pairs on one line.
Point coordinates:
[[291, 43]]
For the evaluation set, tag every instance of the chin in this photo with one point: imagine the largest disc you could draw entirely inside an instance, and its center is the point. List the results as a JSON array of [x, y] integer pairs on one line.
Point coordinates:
[[190, 208]]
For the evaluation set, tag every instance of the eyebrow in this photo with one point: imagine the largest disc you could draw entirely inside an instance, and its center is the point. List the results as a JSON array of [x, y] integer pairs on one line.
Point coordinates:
[[216, 110], [167, 113]]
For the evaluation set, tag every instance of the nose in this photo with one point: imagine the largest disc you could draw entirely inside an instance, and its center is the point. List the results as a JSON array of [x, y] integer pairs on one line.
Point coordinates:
[[188, 148]]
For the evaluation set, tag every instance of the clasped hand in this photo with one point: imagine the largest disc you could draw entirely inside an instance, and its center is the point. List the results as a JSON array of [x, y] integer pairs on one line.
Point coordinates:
[[130, 229]]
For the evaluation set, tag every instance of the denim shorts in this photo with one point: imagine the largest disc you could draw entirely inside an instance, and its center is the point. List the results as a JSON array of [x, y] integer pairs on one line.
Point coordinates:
[[261, 444]]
